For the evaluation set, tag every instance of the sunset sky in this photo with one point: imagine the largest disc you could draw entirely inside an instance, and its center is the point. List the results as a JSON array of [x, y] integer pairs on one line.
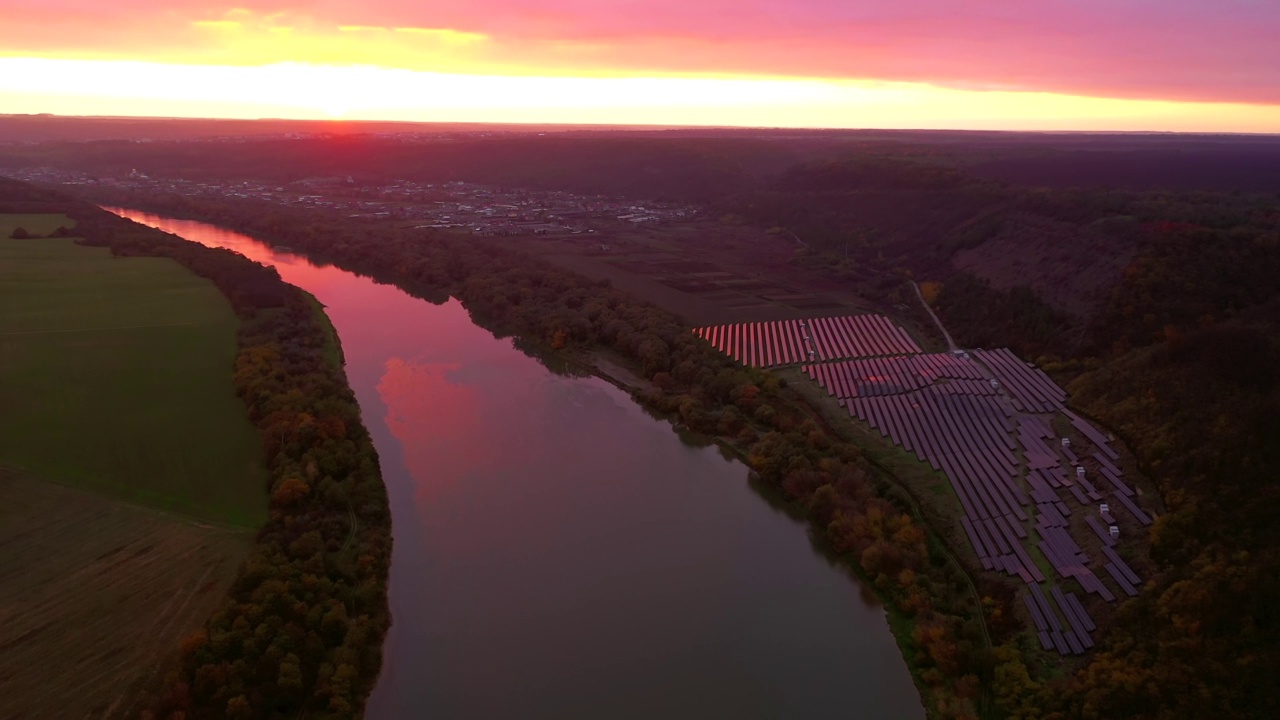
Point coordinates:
[[1209, 65]]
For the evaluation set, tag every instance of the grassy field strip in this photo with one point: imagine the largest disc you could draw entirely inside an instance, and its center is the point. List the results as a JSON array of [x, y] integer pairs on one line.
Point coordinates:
[[116, 376], [38, 224]]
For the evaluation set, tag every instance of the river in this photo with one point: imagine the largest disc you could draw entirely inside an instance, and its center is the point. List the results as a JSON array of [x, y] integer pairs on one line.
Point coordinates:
[[559, 553]]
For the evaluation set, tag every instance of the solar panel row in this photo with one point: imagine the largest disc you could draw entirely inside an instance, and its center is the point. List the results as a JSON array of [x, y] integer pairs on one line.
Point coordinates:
[[1032, 390], [1121, 565], [763, 344], [1133, 508], [786, 342], [1079, 628], [1089, 431], [968, 438], [1114, 479], [921, 421], [1102, 533], [1042, 487], [893, 375], [1121, 580], [1073, 638]]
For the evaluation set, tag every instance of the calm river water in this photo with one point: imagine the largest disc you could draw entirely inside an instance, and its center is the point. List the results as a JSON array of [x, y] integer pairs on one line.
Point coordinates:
[[559, 553]]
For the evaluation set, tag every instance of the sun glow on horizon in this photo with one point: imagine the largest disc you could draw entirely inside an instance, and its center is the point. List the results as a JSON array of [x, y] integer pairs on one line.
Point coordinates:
[[363, 92]]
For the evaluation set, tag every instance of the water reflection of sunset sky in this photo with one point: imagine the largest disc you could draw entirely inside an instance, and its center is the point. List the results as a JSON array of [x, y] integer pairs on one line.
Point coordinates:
[[428, 380], [467, 420], [432, 407], [437, 421], [295, 269]]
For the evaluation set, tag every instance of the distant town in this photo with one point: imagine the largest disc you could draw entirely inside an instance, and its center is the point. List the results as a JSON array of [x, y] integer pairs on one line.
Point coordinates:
[[480, 210]]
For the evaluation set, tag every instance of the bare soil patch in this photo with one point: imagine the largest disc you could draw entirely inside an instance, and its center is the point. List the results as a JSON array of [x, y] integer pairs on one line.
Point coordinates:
[[95, 595]]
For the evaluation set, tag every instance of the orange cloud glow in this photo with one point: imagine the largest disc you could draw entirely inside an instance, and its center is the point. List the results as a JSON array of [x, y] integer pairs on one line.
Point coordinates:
[[1057, 64], [371, 93]]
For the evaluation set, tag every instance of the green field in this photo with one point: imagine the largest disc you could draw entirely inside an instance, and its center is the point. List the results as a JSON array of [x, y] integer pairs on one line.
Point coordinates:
[[115, 375], [35, 224]]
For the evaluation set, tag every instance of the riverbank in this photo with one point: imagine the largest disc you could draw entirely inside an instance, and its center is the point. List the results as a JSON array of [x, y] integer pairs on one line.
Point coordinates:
[[324, 550], [793, 454], [626, 376], [687, 540], [904, 626]]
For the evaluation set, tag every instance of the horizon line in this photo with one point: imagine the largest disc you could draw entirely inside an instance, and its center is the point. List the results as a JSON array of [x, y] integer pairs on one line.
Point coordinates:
[[641, 126]]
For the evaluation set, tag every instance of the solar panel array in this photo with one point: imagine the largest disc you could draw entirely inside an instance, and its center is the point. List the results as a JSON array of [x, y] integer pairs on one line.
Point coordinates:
[[983, 419], [786, 342], [1030, 388], [892, 375], [1072, 637]]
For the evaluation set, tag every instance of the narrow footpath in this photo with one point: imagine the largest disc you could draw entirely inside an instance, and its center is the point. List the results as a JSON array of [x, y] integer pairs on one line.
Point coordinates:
[[951, 344]]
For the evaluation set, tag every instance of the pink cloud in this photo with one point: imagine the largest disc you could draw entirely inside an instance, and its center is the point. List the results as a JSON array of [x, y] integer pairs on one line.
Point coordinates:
[[1168, 49]]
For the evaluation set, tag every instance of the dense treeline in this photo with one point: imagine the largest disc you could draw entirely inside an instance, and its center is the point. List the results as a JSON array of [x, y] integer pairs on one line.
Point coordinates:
[[880, 212], [869, 172], [1192, 275], [1197, 258], [302, 628], [1181, 356], [979, 315], [862, 519], [1202, 410], [698, 164], [915, 210], [1188, 369], [1247, 166]]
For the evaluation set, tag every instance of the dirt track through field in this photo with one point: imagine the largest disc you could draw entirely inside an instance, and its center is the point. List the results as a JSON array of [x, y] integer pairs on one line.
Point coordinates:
[[951, 344], [95, 595]]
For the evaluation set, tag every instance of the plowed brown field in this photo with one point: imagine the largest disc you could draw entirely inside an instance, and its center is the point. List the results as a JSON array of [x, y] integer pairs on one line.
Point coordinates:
[[95, 595]]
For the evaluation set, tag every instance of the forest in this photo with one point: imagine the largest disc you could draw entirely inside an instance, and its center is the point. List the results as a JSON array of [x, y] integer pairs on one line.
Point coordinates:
[[303, 625], [1184, 362]]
